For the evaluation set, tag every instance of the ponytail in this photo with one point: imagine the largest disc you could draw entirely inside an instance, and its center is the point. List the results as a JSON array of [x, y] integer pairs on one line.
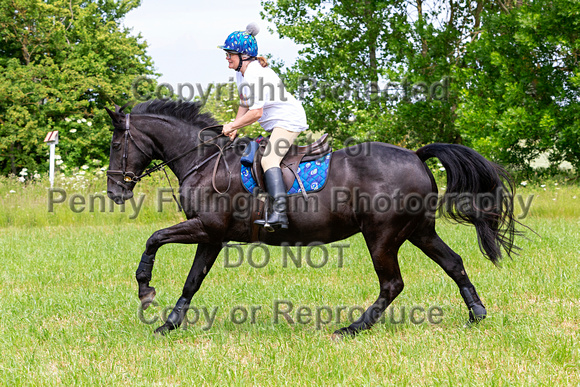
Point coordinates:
[[263, 61]]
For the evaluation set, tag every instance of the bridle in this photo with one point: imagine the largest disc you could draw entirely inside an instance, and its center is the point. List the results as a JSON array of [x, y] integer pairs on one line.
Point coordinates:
[[127, 176], [132, 177]]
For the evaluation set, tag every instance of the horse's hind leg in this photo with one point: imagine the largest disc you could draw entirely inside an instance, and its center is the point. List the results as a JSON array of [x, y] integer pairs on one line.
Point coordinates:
[[432, 245], [383, 251]]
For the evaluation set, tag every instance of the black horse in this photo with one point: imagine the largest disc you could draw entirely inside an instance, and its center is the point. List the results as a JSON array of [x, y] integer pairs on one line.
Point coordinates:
[[478, 192]]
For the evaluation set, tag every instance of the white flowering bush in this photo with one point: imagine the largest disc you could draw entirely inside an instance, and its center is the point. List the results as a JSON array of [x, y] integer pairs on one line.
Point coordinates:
[[77, 133], [87, 176]]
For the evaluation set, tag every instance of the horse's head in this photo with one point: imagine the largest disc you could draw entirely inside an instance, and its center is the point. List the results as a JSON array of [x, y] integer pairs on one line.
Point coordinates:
[[128, 157]]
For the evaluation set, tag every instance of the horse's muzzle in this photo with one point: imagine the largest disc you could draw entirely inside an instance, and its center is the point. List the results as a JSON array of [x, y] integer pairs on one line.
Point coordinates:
[[120, 198]]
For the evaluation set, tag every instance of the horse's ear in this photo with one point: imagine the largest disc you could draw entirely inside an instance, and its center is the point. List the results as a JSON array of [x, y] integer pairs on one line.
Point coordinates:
[[124, 106], [114, 115], [120, 109]]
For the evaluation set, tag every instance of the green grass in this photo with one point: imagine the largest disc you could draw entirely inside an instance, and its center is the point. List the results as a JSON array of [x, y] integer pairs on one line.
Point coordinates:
[[69, 307]]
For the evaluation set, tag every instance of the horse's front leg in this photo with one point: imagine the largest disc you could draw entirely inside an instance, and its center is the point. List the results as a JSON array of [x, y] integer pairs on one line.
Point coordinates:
[[205, 257], [191, 231]]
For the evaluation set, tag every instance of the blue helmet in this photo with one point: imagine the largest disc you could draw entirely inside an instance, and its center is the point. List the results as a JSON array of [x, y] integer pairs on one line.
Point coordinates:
[[243, 42]]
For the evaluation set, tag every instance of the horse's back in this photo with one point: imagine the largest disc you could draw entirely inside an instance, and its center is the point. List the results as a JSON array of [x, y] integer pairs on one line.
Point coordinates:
[[379, 167]]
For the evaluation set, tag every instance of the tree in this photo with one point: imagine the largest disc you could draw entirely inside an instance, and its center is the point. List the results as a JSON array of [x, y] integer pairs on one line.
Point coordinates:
[[345, 55], [500, 76], [372, 69], [61, 63], [520, 83]]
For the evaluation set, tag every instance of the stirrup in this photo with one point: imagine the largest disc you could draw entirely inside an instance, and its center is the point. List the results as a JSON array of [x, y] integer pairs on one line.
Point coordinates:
[[274, 224], [271, 227]]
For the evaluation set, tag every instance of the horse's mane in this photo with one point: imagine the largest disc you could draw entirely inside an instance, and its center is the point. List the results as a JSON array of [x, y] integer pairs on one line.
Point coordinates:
[[188, 112]]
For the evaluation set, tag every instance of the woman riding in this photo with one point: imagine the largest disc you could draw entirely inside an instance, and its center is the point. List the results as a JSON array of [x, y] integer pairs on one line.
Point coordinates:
[[264, 99]]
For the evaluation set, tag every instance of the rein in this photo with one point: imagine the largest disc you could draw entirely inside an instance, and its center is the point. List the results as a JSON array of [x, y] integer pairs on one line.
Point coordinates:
[[131, 177]]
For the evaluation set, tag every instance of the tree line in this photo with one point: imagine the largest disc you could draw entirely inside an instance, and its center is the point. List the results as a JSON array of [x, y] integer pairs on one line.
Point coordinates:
[[499, 76], [61, 63], [511, 68]]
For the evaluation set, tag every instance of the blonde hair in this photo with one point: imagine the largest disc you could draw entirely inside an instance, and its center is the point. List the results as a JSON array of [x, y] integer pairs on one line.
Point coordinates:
[[263, 61]]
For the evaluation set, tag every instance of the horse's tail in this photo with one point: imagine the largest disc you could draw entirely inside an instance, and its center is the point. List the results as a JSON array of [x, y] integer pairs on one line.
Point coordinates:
[[478, 192]]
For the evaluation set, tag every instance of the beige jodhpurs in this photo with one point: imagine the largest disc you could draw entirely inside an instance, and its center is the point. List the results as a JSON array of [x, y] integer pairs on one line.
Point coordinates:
[[280, 141]]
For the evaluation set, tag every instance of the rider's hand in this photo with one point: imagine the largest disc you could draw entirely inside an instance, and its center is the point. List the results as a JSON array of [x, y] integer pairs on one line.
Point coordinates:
[[229, 131]]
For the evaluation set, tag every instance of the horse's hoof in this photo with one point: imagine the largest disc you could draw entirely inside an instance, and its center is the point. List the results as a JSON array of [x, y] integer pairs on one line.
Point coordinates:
[[162, 330], [147, 298], [342, 333], [476, 315]]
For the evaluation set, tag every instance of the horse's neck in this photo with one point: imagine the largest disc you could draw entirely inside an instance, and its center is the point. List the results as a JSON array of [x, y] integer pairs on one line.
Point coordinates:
[[172, 141]]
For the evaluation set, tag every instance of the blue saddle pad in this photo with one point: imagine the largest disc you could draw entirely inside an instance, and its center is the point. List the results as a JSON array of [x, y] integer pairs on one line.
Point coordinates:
[[312, 173]]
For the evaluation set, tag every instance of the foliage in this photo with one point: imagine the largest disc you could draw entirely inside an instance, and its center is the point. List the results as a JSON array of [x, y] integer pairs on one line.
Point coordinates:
[[501, 77], [341, 59], [223, 102], [61, 63], [520, 84]]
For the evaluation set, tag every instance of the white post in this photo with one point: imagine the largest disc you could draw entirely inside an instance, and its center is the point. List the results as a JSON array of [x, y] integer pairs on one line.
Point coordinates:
[[51, 139], [52, 147]]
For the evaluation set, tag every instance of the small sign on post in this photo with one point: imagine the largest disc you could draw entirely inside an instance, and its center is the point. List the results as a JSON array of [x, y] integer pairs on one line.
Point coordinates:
[[52, 139]]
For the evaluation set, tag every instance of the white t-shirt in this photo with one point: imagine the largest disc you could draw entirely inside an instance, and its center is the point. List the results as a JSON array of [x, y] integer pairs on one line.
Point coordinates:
[[260, 87]]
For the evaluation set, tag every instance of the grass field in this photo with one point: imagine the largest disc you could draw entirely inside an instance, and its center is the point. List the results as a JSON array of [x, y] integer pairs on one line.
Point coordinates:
[[70, 314]]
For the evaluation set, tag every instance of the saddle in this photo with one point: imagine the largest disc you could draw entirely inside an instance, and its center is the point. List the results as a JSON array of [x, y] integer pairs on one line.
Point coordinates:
[[289, 165]]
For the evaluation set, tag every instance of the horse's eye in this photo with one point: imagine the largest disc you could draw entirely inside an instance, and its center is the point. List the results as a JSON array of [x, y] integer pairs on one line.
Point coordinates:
[[116, 145]]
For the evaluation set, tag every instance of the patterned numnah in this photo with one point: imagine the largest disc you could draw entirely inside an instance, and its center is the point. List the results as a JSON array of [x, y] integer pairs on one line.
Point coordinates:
[[312, 173]]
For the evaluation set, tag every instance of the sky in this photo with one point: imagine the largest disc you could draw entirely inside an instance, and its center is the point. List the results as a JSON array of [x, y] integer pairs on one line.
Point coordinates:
[[183, 37]]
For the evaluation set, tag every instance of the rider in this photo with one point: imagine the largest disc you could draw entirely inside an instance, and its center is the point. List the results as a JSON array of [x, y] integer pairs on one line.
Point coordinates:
[[263, 98]]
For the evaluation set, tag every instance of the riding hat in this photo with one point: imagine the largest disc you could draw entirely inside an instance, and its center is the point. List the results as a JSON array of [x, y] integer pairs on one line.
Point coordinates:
[[243, 43]]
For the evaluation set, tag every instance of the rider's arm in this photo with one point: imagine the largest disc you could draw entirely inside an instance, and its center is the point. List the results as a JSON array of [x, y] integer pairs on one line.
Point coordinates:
[[244, 117], [241, 111]]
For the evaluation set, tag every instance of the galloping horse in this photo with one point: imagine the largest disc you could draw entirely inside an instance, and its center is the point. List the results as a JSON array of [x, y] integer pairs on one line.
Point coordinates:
[[478, 192]]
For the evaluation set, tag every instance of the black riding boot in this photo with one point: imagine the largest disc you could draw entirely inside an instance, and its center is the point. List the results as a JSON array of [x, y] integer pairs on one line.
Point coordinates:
[[275, 186]]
